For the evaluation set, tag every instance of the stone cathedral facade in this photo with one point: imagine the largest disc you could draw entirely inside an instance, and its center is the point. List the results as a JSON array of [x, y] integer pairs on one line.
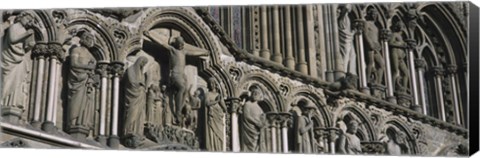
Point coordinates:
[[320, 78]]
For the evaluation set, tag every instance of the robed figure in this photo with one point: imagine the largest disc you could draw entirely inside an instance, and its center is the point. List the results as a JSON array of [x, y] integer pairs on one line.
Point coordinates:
[[348, 142], [252, 123], [215, 117], [135, 98]]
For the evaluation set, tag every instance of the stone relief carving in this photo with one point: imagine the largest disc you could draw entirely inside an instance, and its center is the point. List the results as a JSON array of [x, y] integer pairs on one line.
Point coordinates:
[[399, 66], [346, 36], [374, 58], [215, 118], [348, 142], [17, 45], [253, 123], [81, 87], [304, 131]]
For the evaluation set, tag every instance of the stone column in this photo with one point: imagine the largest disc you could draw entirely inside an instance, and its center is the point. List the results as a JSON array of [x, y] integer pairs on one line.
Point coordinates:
[[413, 77], [301, 61], [312, 51], [117, 70], [39, 52], [452, 71], [285, 122], [277, 55], [438, 72], [56, 55], [103, 71], [385, 36], [234, 104], [265, 52], [319, 138], [359, 26], [272, 119], [332, 137], [420, 67], [289, 61]]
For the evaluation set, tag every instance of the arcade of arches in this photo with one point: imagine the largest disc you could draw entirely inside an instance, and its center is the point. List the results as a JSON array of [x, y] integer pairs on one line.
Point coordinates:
[[323, 78]]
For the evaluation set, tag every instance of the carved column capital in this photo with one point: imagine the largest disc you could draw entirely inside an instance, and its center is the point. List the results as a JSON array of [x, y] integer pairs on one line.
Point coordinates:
[[103, 68], [411, 44], [332, 133], [116, 68], [420, 63], [359, 25], [284, 119], [56, 51], [40, 50], [451, 69], [272, 119], [385, 34], [438, 71], [234, 104]]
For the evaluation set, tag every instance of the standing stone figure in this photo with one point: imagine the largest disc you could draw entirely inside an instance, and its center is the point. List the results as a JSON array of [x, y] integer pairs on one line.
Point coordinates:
[[346, 35], [304, 128], [18, 41], [195, 104], [375, 63], [177, 61], [394, 144], [135, 101], [252, 123], [348, 142], [167, 112], [81, 90], [399, 66], [215, 113]]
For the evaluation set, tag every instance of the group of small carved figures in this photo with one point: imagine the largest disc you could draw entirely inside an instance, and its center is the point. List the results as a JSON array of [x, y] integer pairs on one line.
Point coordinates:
[[150, 107]]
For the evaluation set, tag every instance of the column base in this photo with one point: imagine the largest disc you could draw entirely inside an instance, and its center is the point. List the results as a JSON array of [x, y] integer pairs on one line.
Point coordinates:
[[403, 99], [102, 139], [365, 90], [12, 114], [79, 132], [37, 124], [416, 108], [114, 142], [302, 67], [339, 75], [265, 54], [277, 58], [378, 90], [48, 127]]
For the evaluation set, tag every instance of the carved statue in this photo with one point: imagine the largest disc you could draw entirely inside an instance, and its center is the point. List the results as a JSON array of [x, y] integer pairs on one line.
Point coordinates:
[[81, 82], [177, 64], [399, 66], [375, 63], [135, 99], [18, 41], [215, 115], [190, 110], [348, 142], [167, 112], [252, 123], [346, 35], [394, 144], [304, 128]]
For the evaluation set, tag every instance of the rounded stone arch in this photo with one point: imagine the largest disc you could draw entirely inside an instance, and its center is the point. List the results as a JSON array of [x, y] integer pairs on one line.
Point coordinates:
[[191, 25], [321, 114], [271, 92], [104, 40], [366, 130], [397, 124], [46, 31]]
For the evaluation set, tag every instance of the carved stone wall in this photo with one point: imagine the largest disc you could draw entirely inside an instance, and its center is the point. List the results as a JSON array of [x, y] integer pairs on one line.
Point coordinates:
[[172, 79]]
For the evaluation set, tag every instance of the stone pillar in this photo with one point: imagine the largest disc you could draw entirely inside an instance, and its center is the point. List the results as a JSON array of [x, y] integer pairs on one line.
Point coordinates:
[[39, 52], [359, 26], [234, 104], [301, 61], [56, 55], [285, 121], [322, 62], [256, 34], [451, 72], [385, 36], [438, 72], [289, 61], [103, 71], [265, 52], [332, 137], [312, 50], [272, 119], [319, 139], [277, 55], [117, 70], [413, 76], [420, 67]]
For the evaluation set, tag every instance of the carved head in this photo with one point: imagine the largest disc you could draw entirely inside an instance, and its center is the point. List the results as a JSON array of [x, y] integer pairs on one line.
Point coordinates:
[[197, 93], [372, 14], [352, 127], [213, 84], [257, 94], [178, 42], [163, 88], [398, 26], [26, 19], [87, 39], [141, 61]]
